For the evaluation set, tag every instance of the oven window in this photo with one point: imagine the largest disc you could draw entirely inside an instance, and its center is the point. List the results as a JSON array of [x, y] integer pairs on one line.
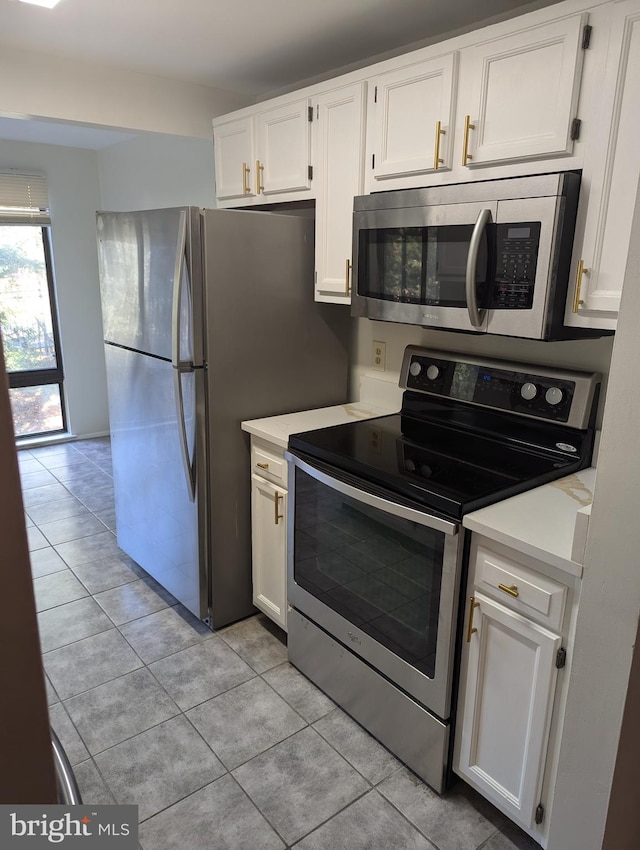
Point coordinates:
[[381, 573], [419, 265]]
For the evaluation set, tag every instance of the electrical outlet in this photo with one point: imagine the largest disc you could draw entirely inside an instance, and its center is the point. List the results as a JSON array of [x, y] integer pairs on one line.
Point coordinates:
[[379, 355]]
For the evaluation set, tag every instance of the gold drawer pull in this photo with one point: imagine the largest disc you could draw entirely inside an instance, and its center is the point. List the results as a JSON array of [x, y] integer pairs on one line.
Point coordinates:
[[577, 301], [512, 590], [465, 139], [262, 465], [347, 278], [259, 170], [470, 629], [277, 516], [437, 161]]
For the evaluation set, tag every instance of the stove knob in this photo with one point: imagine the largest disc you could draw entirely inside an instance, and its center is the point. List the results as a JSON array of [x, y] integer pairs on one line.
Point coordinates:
[[415, 368], [528, 391], [432, 372], [554, 395], [426, 471], [410, 465]]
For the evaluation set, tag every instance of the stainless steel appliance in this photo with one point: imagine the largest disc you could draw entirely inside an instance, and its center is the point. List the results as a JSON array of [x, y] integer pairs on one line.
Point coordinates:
[[209, 319], [376, 543], [491, 256]]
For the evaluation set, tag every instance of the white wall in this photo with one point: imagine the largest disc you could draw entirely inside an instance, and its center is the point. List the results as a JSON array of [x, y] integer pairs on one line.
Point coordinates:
[[38, 85], [154, 171], [74, 196]]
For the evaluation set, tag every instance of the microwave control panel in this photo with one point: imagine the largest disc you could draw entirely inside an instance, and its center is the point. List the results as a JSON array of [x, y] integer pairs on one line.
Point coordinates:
[[516, 260]]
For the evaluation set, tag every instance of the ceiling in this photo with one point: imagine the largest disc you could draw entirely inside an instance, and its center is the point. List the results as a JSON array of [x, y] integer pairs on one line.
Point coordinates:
[[248, 46], [251, 46]]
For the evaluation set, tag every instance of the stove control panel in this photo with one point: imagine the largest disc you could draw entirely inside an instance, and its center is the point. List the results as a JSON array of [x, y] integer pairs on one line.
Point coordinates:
[[555, 395]]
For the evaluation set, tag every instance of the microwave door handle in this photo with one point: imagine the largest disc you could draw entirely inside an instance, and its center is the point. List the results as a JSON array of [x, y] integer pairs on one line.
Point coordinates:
[[476, 315]]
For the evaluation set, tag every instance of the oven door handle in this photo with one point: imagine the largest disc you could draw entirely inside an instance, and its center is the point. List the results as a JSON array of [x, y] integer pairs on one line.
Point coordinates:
[[389, 507], [476, 315]]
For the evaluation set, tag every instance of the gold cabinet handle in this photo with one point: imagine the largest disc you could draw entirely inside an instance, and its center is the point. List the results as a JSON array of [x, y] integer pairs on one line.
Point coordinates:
[[262, 465], [245, 182], [472, 606], [277, 516], [436, 156], [347, 278], [465, 143], [259, 170], [512, 590], [577, 301]]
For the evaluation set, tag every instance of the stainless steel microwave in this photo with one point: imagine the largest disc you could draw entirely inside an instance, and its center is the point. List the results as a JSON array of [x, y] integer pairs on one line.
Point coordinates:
[[491, 256]]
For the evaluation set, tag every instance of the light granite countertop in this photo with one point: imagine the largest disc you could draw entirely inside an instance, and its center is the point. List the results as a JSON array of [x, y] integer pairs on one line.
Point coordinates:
[[277, 429], [548, 523]]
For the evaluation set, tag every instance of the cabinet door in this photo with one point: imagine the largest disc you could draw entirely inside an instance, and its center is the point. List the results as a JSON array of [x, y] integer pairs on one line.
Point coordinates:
[[519, 94], [283, 144], [508, 683], [233, 146], [338, 163], [269, 549], [615, 165], [405, 109]]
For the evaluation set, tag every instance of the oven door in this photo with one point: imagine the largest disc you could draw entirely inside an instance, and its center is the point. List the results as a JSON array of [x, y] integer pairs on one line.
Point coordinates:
[[429, 265], [380, 577]]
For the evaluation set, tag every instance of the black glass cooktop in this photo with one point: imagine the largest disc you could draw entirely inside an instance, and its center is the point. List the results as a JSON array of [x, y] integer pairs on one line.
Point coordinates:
[[450, 461]]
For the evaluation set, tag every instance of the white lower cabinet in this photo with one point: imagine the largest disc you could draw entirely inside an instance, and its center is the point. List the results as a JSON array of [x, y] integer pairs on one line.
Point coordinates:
[[511, 677], [514, 645], [269, 531]]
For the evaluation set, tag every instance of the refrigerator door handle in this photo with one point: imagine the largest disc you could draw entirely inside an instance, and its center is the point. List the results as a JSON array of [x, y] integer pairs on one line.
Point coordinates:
[[180, 366], [178, 280], [188, 464]]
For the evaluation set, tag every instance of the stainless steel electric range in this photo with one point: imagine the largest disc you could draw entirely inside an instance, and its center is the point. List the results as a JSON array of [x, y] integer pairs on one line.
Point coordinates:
[[376, 544]]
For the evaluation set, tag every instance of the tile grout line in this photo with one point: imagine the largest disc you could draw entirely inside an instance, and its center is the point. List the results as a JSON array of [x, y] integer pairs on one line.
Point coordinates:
[[308, 724]]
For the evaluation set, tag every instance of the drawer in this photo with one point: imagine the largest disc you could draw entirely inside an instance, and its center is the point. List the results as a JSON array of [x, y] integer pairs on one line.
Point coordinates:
[[516, 586], [269, 464]]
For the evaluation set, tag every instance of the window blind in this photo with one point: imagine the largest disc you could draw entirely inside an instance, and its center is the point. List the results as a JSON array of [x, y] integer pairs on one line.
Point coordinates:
[[24, 199]]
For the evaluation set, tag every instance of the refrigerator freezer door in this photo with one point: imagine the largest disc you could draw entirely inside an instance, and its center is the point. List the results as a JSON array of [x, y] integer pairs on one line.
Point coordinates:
[[156, 519], [144, 258]]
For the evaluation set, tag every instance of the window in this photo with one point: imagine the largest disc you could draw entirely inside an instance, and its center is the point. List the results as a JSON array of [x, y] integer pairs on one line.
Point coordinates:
[[28, 315]]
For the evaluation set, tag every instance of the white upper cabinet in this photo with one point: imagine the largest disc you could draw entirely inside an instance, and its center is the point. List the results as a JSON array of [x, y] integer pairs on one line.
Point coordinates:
[[613, 165], [234, 156], [505, 105], [283, 149], [264, 155], [518, 94], [551, 90], [338, 166], [409, 121]]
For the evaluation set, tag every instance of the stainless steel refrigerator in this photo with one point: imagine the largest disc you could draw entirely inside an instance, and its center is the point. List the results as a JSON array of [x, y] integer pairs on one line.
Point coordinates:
[[208, 319]]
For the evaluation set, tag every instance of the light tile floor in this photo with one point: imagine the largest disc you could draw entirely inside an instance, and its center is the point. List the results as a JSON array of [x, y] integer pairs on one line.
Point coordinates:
[[218, 740]]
